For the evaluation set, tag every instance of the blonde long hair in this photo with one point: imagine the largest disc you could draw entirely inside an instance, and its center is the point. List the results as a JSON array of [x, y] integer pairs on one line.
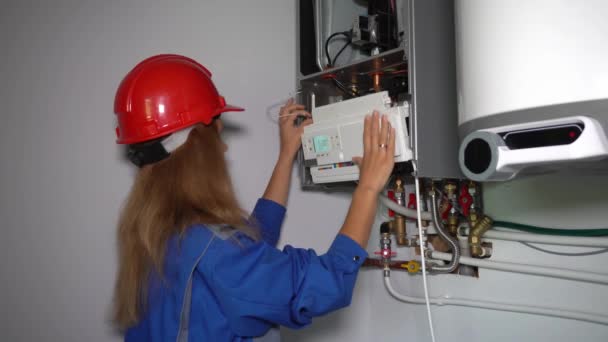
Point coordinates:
[[191, 186]]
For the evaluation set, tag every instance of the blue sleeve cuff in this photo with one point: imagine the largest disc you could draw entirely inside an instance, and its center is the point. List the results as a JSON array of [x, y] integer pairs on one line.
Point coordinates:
[[349, 251], [266, 204], [269, 215]]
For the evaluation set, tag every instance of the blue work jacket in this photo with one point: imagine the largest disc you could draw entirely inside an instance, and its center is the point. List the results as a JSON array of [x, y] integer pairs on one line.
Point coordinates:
[[240, 288]]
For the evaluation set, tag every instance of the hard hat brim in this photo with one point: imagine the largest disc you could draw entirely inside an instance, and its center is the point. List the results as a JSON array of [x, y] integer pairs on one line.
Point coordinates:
[[230, 108]]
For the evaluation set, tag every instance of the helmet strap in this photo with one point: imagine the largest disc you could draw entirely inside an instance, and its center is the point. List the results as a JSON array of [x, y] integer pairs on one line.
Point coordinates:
[[153, 151], [176, 139]]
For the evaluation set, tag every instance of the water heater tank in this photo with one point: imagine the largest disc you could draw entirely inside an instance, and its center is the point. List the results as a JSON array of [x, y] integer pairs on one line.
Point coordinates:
[[532, 86]]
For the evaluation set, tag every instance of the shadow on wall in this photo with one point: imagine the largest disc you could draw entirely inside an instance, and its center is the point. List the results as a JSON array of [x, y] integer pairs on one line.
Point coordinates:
[[559, 200]]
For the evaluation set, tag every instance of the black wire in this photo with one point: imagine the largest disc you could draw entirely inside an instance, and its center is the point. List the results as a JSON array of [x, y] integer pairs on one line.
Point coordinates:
[[342, 87], [553, 231], [345, 34], [595, 252], [339, 52], [339, 84]]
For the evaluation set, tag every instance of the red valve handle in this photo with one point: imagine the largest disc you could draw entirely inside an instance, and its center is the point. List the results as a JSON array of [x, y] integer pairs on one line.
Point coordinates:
[[465, 200], [412, 202], [385, 253], [446, 211], [391, 195]]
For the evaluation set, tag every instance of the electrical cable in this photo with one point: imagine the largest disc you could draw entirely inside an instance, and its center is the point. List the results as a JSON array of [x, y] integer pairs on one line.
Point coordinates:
[[422, 252], [508, 234], [596, 252], [342, 87], [553, 231], [340, 52], [345, 33], [273, 110]]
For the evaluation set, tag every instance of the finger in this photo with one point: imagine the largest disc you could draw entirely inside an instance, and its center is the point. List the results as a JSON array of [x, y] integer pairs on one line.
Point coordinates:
[[292, 118], [357, 161], [384, 130], [391, 142], [283, 118], [287, 104], [301, 112], [303, 124], [367, 139], [374, 139], [294, 107], [297, 113], [306, 122]]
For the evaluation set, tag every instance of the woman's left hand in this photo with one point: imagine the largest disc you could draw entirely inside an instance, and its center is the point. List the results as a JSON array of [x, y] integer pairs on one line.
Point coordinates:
[[290, 133]]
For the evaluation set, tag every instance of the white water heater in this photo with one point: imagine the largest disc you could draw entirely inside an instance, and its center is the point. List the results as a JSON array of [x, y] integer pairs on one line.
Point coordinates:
[[532, 86]]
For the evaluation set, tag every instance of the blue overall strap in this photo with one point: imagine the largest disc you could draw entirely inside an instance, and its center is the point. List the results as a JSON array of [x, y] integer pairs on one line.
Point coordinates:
[[273, 335], [184, 321]]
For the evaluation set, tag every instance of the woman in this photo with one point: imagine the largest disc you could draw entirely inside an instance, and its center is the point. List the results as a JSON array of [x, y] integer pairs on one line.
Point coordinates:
[[193, 266]]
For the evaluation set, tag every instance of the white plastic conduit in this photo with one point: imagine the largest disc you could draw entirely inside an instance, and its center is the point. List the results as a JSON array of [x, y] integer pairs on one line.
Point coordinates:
[[547, 239], [535, 310], [508, 236], [403, 210], [553, 272]]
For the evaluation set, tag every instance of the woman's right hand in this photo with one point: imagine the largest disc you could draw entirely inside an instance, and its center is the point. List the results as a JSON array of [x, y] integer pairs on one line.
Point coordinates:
[[375, 167], [377, 162]]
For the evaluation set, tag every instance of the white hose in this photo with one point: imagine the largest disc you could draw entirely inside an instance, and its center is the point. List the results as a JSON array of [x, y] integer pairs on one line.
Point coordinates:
[[554, 272], [508, 236], [547, 239], [535, 310], [387, 202]]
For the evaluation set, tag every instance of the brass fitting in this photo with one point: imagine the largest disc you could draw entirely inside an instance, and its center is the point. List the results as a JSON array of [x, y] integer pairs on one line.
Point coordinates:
[[398, 185], [452, 225], [398, 224], [412, 266], [398, 227], [476, 233], [472, 188], [473, 217], [450, 190]]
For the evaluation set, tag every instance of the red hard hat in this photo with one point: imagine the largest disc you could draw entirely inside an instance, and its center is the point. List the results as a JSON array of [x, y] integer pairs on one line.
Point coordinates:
[[164, 94]]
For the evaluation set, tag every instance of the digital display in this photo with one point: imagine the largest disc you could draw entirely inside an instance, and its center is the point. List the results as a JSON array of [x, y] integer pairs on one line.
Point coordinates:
[[322, 143]]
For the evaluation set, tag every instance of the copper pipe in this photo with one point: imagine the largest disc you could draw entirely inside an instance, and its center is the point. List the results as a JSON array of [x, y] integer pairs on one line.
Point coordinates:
[[376, 79]]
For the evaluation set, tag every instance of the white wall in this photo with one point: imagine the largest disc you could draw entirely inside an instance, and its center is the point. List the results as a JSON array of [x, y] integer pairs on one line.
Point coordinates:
[[62, 179]]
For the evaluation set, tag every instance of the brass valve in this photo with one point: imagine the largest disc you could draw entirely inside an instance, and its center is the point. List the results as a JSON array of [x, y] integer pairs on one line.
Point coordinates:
[[453, 221], [473, 217], [476, 234], [398, 224], [450, 190], [412, 266]]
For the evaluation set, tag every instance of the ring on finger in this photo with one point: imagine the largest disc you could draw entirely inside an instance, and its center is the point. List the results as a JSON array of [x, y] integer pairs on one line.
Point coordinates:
[[382, 145]]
